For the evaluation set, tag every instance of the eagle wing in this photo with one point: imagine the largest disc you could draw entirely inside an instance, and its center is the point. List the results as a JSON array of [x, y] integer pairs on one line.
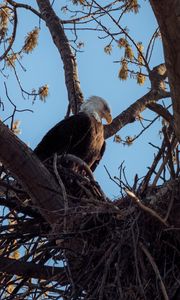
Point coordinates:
[[97, 161], [71, 135]]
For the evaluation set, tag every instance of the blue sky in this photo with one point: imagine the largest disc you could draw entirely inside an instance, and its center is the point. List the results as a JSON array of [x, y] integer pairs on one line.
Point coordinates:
[[98, 76]]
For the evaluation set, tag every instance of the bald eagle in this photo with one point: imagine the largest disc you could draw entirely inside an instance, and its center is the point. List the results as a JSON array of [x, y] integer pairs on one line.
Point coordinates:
[[81, 135]]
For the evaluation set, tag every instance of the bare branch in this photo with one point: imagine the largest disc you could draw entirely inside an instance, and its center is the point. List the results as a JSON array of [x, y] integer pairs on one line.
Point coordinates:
[[30, 269], [156, 270], [26, 6], [70, 66], [129, 115], [161, 111], [145, 208], [164, 162], [13, 36]]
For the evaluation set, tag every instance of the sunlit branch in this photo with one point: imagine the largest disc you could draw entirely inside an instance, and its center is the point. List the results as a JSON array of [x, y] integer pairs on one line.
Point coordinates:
[[96, 13], [12, 37], [129, 115], [70, 66]]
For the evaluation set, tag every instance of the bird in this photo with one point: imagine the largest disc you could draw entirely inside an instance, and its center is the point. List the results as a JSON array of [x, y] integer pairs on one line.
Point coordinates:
[[81, 135]]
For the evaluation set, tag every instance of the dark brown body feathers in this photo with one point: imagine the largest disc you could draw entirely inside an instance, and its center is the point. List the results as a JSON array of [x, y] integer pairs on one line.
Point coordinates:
[[80, 135]]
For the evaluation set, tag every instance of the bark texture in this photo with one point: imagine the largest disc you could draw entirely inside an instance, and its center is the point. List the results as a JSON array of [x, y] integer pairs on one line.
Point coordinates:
[[167, 13], [55, 27], [35, 178], [130, 114]]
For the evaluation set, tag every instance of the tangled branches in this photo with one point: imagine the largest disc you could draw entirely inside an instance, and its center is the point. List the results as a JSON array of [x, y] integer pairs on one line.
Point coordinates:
[[98, 250]]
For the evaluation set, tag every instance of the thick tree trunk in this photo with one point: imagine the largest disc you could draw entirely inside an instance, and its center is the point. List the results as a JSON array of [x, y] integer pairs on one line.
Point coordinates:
[[167, 13]]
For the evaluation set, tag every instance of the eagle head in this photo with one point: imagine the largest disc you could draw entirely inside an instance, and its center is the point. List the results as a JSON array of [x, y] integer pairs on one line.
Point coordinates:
[[97, 107]]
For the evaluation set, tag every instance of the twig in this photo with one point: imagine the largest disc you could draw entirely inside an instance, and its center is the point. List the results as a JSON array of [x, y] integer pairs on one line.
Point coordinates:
[[156, 270], [12, 37], [145, 208], [26, 6], [161, 111], [120, 183], [150, 43], [170, 205], [135, 241], [145, 128], [63, 190], [163, 164], [108, 263], [125, 32], [147, 178], [15, 107], [168, 142], [177, 161]]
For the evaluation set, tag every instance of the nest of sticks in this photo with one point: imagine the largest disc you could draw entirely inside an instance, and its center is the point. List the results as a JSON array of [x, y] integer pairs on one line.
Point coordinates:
[[123, 249], [126, 249]]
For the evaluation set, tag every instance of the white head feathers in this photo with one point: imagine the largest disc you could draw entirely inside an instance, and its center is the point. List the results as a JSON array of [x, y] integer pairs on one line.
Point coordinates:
[[98, 107]]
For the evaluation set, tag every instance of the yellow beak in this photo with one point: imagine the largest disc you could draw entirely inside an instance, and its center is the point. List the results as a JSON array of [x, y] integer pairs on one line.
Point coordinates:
[[108, 118]]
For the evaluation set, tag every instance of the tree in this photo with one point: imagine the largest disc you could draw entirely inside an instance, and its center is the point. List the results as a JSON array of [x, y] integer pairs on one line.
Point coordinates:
[[61, 237]]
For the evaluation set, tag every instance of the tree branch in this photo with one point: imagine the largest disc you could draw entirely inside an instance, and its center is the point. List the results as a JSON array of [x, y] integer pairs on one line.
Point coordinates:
[[161, 111], [129, 115], [26, 6], [36, 179], [30, 269], [145, 208], [70, 66], [12, 37], [156, 270]]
